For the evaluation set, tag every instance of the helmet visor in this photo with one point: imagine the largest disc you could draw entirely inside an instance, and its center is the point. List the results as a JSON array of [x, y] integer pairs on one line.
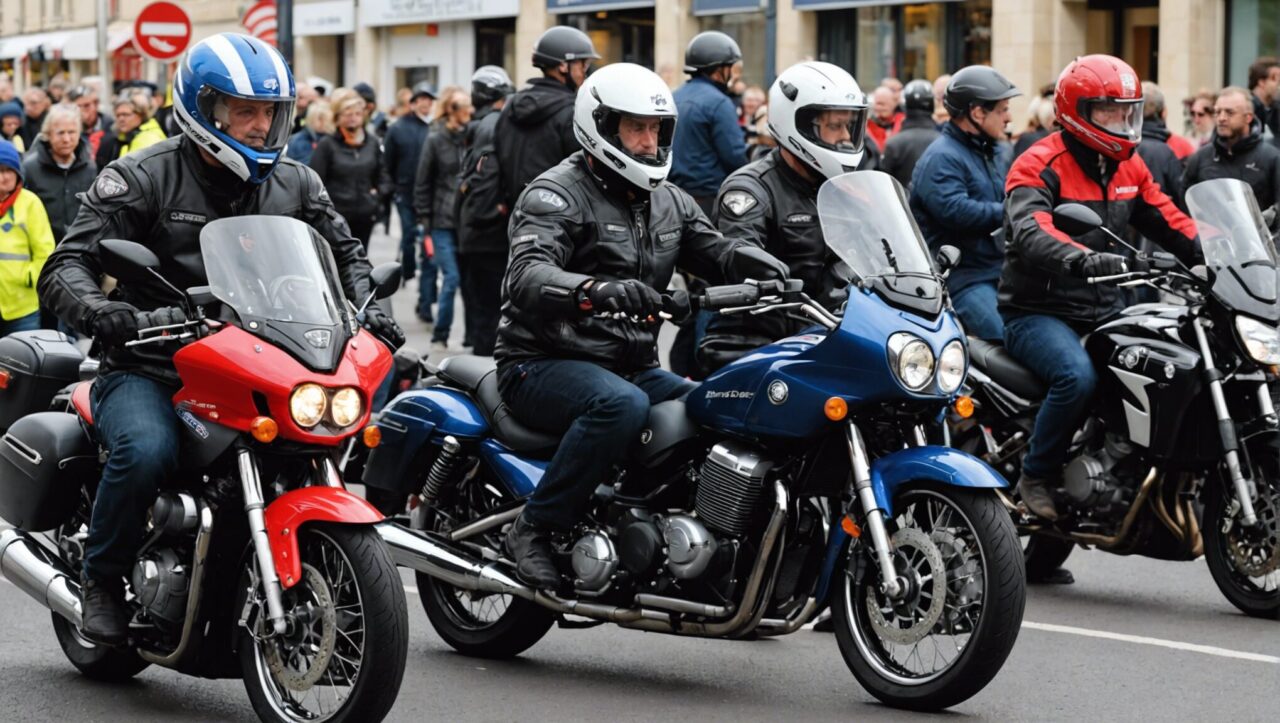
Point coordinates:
[[836, 128], [646, 139], [259, 123], [1120, 118]]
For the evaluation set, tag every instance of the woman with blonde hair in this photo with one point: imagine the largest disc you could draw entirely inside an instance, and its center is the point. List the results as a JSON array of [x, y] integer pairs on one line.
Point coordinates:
[[135, 128], [317, 124], [349, 162]]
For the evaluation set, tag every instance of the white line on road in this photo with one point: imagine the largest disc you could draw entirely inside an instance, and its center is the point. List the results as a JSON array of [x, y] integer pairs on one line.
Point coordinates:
[[1158, 642]]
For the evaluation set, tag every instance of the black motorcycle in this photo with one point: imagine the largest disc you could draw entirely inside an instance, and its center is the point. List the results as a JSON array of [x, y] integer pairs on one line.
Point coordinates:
[[1180, 454]]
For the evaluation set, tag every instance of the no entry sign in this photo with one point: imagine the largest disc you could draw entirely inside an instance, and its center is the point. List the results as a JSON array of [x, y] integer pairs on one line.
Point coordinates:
[[162, 31]]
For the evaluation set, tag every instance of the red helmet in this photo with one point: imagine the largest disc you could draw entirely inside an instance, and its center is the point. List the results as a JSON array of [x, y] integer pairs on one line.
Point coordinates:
[[1099, 101]]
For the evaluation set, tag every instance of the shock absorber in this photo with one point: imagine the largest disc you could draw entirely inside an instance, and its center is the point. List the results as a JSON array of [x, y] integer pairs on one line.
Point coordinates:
[[442, 470]]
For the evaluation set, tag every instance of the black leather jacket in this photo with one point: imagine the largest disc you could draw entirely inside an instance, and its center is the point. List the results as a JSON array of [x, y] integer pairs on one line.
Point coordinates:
[[903, 150], [161, 197], [569, 227], [535, 132], [436, 183]]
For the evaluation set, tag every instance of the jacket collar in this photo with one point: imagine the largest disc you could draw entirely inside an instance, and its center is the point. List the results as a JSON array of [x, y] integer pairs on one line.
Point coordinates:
[[216, 180], [789, 173], [45, 155], [978, 144], [916, 119], [1090, 161], [1242, 146]]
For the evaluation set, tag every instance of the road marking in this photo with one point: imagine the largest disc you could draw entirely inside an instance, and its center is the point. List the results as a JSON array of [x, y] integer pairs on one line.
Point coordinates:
[[1158, 642], [411, 588]]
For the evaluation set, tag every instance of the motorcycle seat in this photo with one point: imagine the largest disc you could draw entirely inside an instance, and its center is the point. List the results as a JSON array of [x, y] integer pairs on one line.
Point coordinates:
[[996, 362], [80, 401], [479, 376]]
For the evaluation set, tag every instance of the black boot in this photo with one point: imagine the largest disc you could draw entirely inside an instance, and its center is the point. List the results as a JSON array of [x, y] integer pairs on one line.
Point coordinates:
[[104, 619], [1060, 576], [531, 550], [1036, 495]]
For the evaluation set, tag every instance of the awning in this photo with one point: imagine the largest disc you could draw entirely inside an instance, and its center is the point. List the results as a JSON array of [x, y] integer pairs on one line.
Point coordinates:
[[557, 7], [83, 43], [79, 44], [22, 45], [724, 7], [846, 4]]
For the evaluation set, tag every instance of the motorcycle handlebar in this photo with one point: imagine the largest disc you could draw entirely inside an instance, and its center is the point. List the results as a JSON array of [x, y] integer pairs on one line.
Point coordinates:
[[723, 297]]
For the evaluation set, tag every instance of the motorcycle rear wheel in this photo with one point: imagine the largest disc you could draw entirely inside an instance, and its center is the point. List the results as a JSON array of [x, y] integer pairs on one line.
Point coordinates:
[[1043, 555], [976, 551], [94, 661], [1227, 546]]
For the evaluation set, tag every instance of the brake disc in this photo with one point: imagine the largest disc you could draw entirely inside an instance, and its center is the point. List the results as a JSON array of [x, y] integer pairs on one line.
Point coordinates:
[[299, 658], [1257, 553], [917, 559]]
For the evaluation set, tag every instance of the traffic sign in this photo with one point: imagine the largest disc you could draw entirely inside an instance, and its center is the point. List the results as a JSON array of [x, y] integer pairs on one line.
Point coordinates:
[[162, 31]]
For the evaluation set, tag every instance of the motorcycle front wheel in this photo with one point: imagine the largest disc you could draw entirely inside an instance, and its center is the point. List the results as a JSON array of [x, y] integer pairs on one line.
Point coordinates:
[[948, 636], [342, 657], [1245, 562]]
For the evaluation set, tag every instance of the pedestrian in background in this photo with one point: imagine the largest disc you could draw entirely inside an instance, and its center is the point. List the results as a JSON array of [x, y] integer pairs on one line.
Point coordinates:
[[1201, 111], [1264, 83], [25, 242], [306, 95], [1154, 118], [59, 167], [57, 90], [708, 143], [402, 149], [35, 104], [1238, 150], [375, 118], [902, 151], [94, 124], [349, 162], [134, 128], [318, 124], [434, 191], [11, 123], [940, 114], [885, 120], [404, 97]]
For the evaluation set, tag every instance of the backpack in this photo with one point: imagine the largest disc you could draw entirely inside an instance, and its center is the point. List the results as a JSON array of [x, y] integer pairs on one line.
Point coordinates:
[[478, 205]]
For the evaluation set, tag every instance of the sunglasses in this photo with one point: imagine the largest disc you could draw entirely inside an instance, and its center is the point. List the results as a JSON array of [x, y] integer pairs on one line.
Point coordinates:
[[1201, 113]]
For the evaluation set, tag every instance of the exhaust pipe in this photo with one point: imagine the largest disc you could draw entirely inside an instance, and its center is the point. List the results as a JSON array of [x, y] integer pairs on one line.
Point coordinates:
[[433, 555], [40, 574]]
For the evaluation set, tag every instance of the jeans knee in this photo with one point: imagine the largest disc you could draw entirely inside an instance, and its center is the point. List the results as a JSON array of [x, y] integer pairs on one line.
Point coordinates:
[[146, 461], [1077, 380], [624, 411]]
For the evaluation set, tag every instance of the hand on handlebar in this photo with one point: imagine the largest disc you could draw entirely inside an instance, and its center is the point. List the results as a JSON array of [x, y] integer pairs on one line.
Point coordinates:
[[630, 297], [1105, 264], [115, 323], [164, 316], [677, 306]]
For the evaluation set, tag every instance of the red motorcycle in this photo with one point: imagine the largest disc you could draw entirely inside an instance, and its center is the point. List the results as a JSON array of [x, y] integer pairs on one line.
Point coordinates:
[[257, 563]]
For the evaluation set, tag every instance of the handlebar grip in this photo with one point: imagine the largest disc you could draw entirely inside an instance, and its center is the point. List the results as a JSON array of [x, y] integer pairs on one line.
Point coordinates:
[[717, 297]]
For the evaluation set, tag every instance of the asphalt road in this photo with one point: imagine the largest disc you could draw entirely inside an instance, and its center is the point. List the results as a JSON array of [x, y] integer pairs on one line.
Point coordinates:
[[1132, 639]]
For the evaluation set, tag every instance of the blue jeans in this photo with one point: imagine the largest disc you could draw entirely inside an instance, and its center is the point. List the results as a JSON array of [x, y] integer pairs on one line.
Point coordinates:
[[30, 322], [447, 261], [408, 238], [1052, 350], [976, 305], [135, 421], [599, 413]]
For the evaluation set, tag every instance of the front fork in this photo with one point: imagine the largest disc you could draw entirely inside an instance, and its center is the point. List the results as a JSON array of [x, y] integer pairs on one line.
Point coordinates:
[[253, 507], [892, 585], [1227, 427]]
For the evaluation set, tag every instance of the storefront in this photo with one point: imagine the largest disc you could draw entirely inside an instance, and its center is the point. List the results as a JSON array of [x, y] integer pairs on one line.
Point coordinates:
[[322, 32], [875, 40], [621, 30], [744, 21], [1253, 30]]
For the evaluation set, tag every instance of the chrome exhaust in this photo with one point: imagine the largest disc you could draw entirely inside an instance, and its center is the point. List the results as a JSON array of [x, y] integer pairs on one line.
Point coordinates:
[[40, 574]]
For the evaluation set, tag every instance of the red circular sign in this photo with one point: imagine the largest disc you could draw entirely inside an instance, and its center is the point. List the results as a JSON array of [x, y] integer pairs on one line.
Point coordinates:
[[162, 31]]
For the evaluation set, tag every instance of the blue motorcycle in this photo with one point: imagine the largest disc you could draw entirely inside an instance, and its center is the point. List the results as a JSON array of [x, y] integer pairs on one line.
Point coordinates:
[[794, 478]]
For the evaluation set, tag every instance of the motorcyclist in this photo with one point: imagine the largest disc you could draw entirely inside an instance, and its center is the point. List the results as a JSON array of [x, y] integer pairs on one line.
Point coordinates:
[[234, 99], [819, 116], [1046, 299], [592, 240], [535, 130], [709, 144], [903, 150]]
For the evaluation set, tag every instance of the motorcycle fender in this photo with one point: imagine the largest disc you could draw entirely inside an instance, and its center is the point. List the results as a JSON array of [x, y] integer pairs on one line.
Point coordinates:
[[941, 465], [294, 509]]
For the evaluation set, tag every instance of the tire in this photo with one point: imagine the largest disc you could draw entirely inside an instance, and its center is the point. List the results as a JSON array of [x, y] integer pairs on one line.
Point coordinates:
[[1003, 598], [1044, 554], [1236, 585], [376, 629], [96, 662], [516, 629]]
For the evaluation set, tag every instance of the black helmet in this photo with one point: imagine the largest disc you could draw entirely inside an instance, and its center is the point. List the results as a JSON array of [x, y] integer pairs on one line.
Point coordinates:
[[976, 85], [490, 84], [423, 88], [562, 44], [918, 95], [364, 90], [710, 50]]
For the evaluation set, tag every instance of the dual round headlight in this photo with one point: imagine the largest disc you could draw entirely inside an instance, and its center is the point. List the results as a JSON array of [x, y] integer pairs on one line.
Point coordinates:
[[1261, 341], [308, 403], [913, 362]]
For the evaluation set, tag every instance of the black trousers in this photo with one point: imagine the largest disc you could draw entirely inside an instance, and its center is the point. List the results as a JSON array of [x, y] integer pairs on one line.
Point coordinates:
[[482, 297]]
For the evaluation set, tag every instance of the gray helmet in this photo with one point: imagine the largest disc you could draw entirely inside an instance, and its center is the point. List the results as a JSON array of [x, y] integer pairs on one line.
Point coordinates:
[[490, 84], [918, 95], [562, 44], [710, 50], [423, 88], [976, 85]]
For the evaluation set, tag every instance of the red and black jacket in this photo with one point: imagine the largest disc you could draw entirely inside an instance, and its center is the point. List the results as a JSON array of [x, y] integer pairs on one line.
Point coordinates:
[[1040, 265]]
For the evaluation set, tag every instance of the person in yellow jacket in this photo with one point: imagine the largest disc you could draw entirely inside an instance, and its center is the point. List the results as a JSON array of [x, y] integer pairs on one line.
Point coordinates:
[[135, 129], [26, 240]]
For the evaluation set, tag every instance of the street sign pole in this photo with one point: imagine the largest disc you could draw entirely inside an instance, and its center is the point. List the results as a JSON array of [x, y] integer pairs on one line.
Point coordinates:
[[104, 59], [284, 30]]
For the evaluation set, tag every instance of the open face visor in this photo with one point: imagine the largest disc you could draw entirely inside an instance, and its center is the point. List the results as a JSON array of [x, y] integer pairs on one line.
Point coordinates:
[[222, 108]]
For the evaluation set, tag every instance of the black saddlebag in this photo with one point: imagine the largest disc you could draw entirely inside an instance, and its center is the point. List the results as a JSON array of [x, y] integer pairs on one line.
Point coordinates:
[[44, 460], [34, 365]]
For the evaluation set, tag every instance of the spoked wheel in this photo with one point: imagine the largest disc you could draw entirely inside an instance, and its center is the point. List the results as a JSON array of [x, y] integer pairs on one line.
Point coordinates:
[[342, 655], [949, 634], [1245, 561]]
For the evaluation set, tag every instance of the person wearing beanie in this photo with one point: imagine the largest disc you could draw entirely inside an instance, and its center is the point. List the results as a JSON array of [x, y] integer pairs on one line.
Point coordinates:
[[26, 240], [11, 123]]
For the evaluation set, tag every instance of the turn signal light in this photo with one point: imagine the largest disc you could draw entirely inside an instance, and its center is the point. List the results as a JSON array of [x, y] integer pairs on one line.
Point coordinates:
[[963, 406], [264, 429], [372, 436], [4, 378], [836, 409], [850, 527]]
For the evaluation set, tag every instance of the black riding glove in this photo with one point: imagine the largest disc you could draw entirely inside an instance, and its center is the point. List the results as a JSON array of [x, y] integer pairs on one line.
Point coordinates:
[[164, 316], [1102, 264], [631, 297], [677, 303], [114, 323], [751, 262], [383, 327]]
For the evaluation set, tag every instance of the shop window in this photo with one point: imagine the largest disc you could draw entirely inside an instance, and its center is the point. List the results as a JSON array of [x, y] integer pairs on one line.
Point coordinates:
[[748, 30], [906, 41], [496, 42], [1253, 30], [624, 36]]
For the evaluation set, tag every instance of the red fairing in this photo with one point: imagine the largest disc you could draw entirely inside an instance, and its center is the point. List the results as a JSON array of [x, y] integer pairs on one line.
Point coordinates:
[[310, 504], [221, 372]]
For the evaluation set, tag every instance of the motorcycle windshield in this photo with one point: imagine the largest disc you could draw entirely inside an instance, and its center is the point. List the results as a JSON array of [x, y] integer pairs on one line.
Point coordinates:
[[1237, 246], [867, 224], [279, 278]]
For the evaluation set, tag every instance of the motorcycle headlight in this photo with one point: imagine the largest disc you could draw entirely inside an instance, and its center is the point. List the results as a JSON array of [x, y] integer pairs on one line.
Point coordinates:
[[912, 360], [346, 407], [1261, 341], [307, 404], [951, 366]]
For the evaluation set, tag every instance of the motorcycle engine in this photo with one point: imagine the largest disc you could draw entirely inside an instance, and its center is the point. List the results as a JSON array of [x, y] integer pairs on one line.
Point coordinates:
[[161, 583], [1090, 479], [681, 541], [731, 487], [594, 561]]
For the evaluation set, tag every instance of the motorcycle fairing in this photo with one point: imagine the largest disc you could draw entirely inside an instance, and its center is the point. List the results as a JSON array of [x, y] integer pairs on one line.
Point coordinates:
[[413, 419], [293, 509], [521, 475]]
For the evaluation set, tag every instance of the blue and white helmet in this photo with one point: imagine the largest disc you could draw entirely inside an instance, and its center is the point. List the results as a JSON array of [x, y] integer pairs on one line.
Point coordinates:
[[231, 65]]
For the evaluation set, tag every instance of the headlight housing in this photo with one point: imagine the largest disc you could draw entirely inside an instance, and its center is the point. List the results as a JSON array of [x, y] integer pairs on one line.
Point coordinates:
[[912, 360], [307, 405], [951, 366], [1261, 341], [346, 407]]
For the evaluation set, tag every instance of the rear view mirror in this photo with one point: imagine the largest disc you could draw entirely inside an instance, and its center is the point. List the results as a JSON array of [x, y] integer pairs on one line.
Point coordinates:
[[1075, 219], [128, 261], [386, 279]]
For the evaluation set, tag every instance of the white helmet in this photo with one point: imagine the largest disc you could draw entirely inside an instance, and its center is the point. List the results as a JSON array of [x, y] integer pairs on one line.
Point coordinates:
[[611, 92], [797, 97]]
